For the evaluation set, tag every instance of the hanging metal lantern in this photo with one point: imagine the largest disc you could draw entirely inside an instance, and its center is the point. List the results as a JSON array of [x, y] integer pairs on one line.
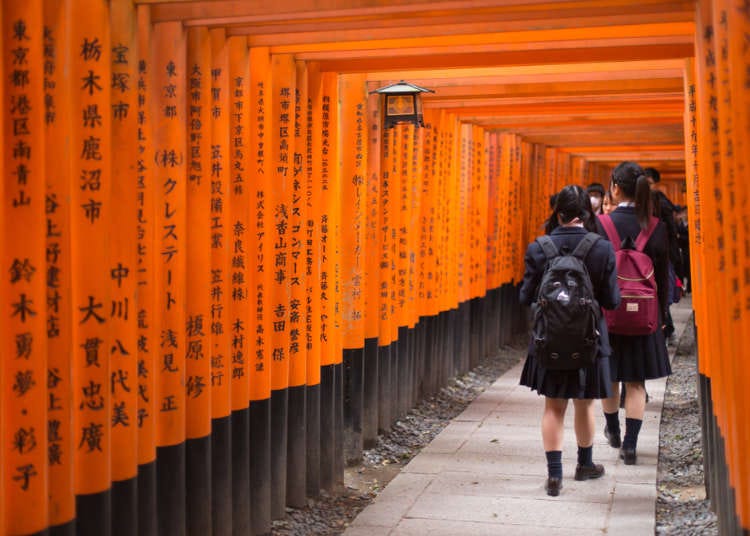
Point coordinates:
[[403, 103]]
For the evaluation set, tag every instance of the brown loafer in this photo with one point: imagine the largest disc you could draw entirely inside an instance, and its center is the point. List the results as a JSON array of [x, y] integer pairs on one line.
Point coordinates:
[[627, 455], [553, 486], [589, 472], [614, 439]]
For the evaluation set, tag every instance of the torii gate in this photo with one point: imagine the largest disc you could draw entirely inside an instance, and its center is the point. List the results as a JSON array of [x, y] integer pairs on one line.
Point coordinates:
[[209, 242]]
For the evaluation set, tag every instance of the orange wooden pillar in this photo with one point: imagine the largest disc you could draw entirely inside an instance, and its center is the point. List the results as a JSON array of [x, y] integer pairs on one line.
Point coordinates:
[[169, 115], [416, 169], [313, 343], [739, 58], [261, 264], [353, 102], [329, 360], [298, 213], [400, 183], [93, 304], [386, 218], [123, 270], [60, 431], [24, 348], [238, 276], [147, 256], [198, 300], [427, 337], [371, 273], [727, 135], [220, 290], [280, 140]]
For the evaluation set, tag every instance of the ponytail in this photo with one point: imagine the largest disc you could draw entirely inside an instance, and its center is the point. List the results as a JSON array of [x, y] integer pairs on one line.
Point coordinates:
[[634, 185], [643, 201]]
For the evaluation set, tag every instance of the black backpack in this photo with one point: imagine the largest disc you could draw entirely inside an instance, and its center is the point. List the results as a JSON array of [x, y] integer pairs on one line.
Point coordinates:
[[565, 313]]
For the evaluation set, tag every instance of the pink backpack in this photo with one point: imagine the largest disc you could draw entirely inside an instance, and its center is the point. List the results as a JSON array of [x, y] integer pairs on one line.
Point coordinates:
[[638, 313]]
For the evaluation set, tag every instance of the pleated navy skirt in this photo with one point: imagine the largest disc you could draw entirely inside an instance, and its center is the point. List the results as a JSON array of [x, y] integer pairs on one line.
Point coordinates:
[[639, 358], [590, 382]]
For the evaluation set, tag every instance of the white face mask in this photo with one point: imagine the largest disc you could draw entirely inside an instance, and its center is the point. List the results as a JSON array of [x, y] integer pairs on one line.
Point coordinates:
[[596, 201]]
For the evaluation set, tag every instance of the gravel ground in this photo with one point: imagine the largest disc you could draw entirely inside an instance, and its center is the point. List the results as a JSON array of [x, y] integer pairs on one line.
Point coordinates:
[[681, 504], [681, 507]]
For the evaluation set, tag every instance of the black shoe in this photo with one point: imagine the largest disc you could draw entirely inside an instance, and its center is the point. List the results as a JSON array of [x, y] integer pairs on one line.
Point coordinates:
[[553, 486], [627, 454], [588, 472], [614, 439]]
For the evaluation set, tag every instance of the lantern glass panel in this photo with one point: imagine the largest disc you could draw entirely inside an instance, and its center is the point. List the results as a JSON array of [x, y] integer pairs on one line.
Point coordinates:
[[400, 105]]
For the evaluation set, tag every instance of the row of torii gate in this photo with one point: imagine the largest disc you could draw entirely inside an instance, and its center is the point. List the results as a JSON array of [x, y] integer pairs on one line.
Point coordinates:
[[223, 277]]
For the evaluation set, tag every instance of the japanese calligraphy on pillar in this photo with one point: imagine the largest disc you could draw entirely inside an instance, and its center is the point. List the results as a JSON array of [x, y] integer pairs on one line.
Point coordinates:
[[25, 452], [91, 214], [146, 252], [415, 203], [60, 448], [259, 229], [424, 248], [220, 322], [326, 265], [728, 190], [198, 247], [353, 207], [312, 196], [371, 249], [123, 350], [280, 190], [240, 220], [298, 229], [170, 177], [384, 309]]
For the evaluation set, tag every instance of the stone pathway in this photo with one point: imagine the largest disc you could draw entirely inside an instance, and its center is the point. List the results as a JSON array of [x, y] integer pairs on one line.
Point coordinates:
[[484, 474]]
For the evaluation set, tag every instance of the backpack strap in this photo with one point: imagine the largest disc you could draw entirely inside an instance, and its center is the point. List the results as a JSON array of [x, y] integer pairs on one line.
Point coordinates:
[[643, 237], [548, 247], [609, 228], [584, 246]]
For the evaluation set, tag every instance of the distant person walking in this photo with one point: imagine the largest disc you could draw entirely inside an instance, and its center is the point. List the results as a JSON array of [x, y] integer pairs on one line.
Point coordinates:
[[567, 234], [635, 358], [596, 195]]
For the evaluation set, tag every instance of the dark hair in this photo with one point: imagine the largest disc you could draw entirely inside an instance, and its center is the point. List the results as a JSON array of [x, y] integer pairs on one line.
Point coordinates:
[[653, 173], [552, 200], [570, 203], [633, 184], [595, 187]]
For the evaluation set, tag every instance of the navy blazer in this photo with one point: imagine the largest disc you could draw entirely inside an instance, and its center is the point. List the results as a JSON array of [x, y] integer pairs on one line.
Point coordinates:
[[600, 262], [657, 248]]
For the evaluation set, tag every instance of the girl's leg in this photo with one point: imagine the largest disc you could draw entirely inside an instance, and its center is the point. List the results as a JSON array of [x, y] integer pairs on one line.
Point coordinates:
[[635, 406], [552, 438], [553, 421], [584, 427], [611, 407], [584, 422]]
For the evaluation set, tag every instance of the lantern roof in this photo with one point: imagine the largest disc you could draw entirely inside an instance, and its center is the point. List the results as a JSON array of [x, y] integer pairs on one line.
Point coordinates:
[[401, 88]]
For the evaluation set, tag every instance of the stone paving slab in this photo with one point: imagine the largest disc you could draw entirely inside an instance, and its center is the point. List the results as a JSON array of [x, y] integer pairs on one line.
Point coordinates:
[[484, 474]]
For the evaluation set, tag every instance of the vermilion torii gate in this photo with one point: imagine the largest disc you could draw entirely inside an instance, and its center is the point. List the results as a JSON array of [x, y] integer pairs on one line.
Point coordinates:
[[222, 277]]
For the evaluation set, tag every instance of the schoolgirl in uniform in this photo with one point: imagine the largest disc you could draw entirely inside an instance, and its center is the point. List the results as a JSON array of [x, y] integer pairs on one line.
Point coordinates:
[[567, 226], [635, 358]]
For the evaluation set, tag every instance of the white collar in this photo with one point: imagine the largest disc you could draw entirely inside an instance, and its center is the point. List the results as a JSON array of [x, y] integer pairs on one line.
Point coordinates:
[[626, 204]]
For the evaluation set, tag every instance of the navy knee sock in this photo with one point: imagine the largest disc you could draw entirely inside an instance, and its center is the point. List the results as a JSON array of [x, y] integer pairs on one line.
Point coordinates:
[[613, 422], [585, 456], [632, 428], [554, 463]]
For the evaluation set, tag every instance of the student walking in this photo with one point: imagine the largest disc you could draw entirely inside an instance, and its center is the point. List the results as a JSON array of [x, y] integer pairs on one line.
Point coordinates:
[[589, 280], [636, 327]]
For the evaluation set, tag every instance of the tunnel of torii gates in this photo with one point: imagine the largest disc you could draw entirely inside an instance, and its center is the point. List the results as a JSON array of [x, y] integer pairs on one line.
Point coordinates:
[[222, 277]]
